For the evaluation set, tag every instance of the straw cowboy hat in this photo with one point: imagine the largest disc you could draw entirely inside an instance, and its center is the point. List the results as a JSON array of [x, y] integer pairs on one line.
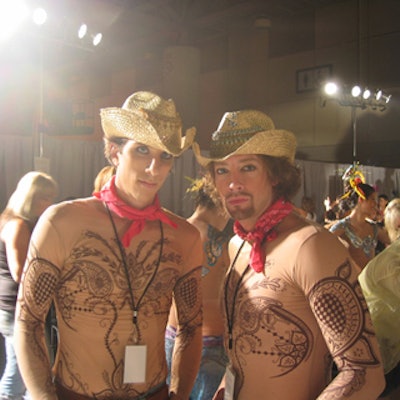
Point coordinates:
[[149, 119], [247, 132]]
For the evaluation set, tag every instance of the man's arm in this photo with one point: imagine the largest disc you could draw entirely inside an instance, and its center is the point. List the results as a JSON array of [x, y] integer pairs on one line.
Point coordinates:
[[188, 342], [34, 299], [344, 320]]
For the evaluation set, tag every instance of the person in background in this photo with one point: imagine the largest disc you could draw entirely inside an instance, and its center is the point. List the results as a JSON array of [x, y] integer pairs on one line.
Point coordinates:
[[290, 296], [380, 283], [359, 231], [307, 209], [334, 211], [35, 191], [103, 177], [383, 201], [216, 228], [112, 264]]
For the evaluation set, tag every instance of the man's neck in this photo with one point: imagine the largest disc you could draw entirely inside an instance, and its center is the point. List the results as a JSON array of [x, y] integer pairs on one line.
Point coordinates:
[[131, 200]]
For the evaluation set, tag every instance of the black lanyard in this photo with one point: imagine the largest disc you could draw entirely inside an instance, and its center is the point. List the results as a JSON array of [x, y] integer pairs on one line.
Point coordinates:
[[135, 307], [230, 315]]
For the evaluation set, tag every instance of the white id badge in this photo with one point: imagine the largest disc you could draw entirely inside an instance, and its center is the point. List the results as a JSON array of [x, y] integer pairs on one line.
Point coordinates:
[[229, 383], [135, 364]]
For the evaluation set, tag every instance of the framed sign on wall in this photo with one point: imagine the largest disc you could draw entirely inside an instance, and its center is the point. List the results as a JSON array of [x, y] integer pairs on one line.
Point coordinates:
[[309, 79]]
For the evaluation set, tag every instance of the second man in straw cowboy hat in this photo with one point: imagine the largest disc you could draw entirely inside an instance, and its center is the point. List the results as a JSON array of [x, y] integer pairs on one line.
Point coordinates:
[[112, 263], [290, 297]]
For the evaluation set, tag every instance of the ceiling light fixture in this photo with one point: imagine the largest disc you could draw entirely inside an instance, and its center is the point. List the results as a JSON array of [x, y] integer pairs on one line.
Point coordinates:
[[96, 39], [82, 31]]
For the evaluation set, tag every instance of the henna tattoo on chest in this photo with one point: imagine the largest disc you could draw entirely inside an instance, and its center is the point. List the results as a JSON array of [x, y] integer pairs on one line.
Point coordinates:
[[92, 286], [266, 327]]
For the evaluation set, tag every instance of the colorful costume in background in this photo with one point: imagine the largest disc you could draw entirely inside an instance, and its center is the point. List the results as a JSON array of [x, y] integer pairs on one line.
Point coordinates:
[[367, 245]]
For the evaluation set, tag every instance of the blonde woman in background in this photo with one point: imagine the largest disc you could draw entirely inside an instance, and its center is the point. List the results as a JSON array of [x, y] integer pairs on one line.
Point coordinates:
[[34, 193], [380, 283]]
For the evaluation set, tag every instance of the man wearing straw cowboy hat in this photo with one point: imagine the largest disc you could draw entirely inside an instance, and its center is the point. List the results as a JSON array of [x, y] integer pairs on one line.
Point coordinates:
[[112, 264], [291, 298]]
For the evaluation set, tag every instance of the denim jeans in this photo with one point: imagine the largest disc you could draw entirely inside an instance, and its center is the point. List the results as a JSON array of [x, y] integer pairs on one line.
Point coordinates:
[[11, 384], [212, 367]]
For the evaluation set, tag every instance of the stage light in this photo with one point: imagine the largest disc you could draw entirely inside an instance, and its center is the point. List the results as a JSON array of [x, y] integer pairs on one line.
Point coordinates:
[[12, 14], [331, 88], [356, 91], [97, 39], [39, 16], [82, 31], [366, 94], [357, 96], [386, 98]]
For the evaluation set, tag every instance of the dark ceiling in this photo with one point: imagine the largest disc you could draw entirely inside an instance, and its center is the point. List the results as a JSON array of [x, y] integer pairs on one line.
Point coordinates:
[[134, 29]]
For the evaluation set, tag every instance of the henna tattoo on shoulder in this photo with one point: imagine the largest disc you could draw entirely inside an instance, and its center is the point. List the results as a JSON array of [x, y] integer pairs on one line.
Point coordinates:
[[341, 311], [40, 280], [188, 296]]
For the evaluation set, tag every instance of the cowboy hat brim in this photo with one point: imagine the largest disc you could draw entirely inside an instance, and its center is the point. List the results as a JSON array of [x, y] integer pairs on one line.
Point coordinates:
[[131, 124], [274, 143]]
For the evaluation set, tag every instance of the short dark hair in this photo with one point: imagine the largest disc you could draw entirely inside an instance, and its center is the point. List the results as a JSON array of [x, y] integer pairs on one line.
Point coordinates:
[[383, 196], [352, 199]]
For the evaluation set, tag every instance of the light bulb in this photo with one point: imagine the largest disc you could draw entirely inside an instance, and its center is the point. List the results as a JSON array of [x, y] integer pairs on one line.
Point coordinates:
[[356, 91], [331, 88]]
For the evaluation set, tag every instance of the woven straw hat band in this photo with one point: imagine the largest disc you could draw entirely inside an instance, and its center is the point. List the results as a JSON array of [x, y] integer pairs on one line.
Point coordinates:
[[248, 132], [147, 118]]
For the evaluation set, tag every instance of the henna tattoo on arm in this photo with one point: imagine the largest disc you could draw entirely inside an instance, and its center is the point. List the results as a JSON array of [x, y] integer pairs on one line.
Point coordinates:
[[36, 293], [341, 314], [189, 305], [187, 349]]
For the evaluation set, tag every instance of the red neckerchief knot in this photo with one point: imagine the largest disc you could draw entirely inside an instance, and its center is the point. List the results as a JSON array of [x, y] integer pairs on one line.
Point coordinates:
[[153, 212], [263, 231]]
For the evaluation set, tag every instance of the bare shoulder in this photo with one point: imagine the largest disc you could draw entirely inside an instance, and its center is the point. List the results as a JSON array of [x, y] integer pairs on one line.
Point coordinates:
[[234, 244], [309, 235], [74, 208]]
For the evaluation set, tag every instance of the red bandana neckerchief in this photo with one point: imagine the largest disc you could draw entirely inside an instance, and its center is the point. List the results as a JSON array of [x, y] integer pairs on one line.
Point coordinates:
[[263, 231], [108, 194]]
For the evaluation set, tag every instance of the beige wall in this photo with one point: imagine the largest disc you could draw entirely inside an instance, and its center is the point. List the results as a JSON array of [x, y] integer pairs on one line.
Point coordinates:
[[256, 68], [367, 53]]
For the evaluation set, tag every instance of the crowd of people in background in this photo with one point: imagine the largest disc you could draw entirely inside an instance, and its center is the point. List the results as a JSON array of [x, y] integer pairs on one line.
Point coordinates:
[[252, 296]]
